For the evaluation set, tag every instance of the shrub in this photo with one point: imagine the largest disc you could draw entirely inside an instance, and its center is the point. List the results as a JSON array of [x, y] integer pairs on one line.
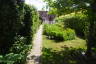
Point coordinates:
[[69, 34], [30, 24], [58, 33], [20, 48], [78, 22], [10, 58]]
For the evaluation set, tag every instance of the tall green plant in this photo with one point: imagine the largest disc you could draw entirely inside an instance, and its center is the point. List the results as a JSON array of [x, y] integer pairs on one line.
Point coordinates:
[[10, 21], [30, 23]]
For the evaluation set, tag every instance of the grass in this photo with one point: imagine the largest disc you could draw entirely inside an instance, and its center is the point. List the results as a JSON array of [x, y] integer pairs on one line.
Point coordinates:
[[65, 52], [77, 43]]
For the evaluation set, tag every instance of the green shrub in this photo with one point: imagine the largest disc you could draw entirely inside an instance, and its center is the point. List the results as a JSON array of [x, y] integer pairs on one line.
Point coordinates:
[[30, 24], [58, 33], [10, 58], [78, 22], [20, 48]]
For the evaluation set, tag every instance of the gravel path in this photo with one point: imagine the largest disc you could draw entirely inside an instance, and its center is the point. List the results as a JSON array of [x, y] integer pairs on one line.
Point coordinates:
[[35, 53]]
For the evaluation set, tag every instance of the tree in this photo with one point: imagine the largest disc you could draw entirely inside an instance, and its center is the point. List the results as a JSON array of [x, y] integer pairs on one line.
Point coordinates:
[[10, 22], [66, 6], [61, 6], [91, 38]]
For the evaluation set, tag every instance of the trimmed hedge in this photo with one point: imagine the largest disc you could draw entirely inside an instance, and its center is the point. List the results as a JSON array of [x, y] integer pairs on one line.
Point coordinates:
[[58, 33]]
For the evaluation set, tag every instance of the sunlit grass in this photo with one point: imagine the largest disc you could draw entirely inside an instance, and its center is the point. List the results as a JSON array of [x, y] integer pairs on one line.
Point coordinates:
[[77, 43]]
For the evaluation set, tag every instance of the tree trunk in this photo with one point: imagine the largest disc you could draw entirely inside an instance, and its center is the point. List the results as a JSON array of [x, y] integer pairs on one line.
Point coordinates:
[[91, 39]]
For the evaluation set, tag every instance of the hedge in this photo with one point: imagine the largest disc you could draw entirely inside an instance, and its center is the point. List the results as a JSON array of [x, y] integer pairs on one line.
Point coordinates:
[[10, 22], [18, 24], [30, 24], [78, 22]]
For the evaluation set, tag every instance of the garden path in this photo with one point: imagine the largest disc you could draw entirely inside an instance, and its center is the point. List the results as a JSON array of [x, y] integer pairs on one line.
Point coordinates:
[[35, 53]]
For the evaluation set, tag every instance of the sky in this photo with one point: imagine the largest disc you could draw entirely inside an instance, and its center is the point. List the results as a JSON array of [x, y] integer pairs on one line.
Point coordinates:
[[39, 4]]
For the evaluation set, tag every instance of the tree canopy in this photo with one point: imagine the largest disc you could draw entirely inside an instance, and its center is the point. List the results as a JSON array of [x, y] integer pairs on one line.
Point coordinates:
[[67, 6]]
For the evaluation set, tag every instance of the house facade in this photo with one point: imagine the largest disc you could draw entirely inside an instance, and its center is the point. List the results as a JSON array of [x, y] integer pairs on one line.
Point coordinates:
[[46, 18]]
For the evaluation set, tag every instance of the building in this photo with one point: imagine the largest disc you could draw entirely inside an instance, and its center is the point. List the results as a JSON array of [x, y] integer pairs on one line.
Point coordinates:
[[46, 18]]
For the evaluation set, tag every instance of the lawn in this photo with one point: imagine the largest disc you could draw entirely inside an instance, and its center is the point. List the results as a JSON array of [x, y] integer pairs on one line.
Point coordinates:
[[65, 52], [77, 43]]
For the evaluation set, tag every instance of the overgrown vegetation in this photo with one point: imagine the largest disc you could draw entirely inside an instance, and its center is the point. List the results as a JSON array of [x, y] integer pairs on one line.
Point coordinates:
[[18, 24]]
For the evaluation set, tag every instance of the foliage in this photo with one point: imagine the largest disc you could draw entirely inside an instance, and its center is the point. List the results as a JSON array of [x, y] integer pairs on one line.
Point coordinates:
[[53, 11], [16, 30], [66, 52], [67, 6], [78, 22], [65, 56], [24, 38], [10, 58], [19, 46], [57, 33], [30, 24], [9, 23]]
